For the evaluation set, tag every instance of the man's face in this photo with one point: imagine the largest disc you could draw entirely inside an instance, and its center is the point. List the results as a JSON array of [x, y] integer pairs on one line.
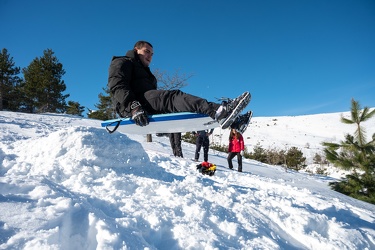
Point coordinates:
[[145, 54]]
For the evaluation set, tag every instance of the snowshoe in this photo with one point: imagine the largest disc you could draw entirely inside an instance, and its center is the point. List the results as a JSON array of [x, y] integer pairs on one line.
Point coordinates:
[[230, 108], [242, 122]]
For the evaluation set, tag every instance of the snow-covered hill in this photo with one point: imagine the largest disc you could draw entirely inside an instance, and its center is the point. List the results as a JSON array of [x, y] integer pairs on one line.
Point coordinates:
[[65, 183], [304, 132]]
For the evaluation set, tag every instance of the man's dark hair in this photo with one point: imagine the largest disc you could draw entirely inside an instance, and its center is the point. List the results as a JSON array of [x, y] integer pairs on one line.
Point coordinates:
[[140, 44]]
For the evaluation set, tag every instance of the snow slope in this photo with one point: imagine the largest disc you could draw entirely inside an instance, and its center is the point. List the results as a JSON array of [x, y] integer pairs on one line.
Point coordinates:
[[65, 183]]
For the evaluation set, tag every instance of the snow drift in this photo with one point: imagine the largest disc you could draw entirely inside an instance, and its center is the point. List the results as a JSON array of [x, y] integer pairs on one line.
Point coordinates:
[[65, 183]]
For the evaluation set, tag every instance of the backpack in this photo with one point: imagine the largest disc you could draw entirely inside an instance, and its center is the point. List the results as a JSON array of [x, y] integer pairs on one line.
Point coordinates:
[[207, 168]]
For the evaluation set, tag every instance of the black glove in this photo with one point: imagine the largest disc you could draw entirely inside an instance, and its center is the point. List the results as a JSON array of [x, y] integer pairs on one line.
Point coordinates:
[[138, 115]]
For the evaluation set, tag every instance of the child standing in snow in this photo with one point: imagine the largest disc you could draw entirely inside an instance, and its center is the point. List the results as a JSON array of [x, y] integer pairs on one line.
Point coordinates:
[[236, 148], [203, 139]]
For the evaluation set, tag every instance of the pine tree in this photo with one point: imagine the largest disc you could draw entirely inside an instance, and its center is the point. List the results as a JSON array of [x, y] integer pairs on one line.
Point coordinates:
[[74, 108], [294, 159], [357, 117], [105, 109], [8, 81], [259, 154], [43, 84], [357, 155]]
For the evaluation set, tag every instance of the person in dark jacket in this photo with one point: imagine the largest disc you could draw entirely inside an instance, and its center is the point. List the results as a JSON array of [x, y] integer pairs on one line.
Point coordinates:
[[175, 140], [203, 139], [134, 91]]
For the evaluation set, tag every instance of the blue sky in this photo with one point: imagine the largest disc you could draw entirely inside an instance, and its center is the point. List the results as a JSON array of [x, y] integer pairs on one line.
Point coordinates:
[[296, 57]]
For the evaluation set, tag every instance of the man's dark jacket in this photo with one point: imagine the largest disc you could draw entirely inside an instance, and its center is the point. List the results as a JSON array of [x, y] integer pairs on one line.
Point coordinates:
[[128, 80]]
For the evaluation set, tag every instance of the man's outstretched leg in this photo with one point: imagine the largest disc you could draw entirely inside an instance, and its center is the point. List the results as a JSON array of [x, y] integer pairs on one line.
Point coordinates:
[[164, 101]]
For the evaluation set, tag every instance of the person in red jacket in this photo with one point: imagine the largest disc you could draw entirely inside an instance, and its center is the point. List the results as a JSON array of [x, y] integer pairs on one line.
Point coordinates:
[[236, 147]]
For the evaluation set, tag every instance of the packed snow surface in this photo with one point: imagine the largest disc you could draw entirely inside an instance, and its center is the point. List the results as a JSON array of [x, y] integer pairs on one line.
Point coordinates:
[[65, 183]]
